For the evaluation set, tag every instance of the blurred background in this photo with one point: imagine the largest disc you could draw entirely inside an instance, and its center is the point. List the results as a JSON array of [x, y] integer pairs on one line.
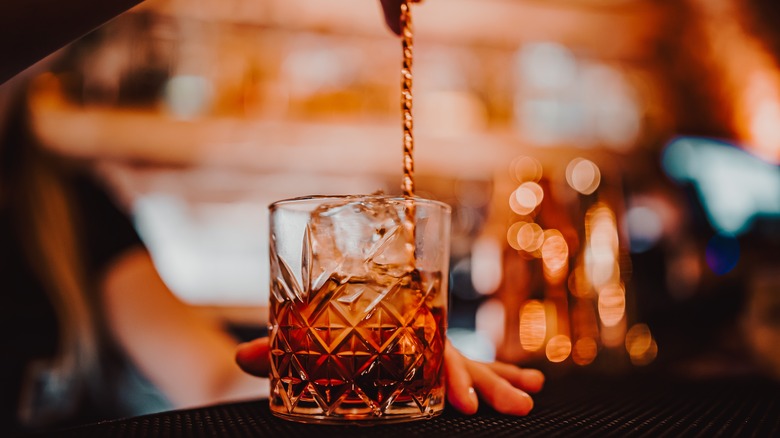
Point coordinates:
[[611, 164]]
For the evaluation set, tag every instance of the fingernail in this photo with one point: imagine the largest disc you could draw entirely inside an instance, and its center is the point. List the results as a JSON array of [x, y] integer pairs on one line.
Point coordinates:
[[530, 402], [515, 402], [473, 399]]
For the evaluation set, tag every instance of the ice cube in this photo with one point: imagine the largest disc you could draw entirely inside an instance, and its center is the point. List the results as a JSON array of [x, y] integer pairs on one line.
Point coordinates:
[[358, 238]]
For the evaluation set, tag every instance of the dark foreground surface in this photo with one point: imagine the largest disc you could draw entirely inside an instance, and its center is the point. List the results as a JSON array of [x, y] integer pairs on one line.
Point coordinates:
[[639, 405]]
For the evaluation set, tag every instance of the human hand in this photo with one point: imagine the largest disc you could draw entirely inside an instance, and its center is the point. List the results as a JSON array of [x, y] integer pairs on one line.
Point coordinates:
[[504, 387], [392, 9]]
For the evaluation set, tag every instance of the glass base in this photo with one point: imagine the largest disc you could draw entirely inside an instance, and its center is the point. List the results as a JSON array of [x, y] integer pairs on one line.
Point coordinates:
[[355, 420]]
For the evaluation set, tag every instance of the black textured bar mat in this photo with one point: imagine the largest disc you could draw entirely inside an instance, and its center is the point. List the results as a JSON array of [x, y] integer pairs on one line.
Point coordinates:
[[582, 406]]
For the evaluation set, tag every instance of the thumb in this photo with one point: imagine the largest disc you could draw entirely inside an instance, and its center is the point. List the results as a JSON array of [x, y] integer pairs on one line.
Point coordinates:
[[253, 357]]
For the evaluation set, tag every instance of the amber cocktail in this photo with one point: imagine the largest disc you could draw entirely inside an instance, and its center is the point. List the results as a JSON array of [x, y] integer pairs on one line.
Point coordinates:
[[358, 308]]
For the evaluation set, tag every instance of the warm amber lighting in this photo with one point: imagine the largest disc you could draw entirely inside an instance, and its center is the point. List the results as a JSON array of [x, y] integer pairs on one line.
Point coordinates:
[[533, 326], [530, 237], [640, 345], [525, 169], [558, 348], [526, 198], [555, 256], [612, 305], [583, 176], [584, 351]]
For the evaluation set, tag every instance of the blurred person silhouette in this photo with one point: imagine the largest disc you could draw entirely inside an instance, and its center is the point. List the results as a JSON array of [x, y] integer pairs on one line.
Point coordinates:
[[90, 329]]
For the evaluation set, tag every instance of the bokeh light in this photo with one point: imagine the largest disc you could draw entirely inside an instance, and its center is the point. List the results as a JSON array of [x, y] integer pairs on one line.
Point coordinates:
[[612, 304], [525, 168], [645, 228], [547, 65], [734, 186], [490, 319], [601, 256], [526, 198], [722, 254], [511, 234], [533, 326], [486, 265], [558, 348], [638, 340], [555, 256], [584, 351], [764, 128], [642, 348], [648, 356], [583, 175], [530, 237]]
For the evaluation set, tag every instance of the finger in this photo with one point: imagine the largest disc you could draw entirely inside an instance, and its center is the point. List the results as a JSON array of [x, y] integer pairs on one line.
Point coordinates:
[[498, 392], [460, 391], [526, 379], [253, 357], [392, 10]]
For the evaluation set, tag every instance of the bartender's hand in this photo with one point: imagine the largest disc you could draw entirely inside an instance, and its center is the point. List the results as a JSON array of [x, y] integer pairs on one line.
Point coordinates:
[[392, 10], [504, 387]]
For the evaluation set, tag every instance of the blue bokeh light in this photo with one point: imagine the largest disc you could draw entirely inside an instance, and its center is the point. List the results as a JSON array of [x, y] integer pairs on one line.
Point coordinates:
[[722, 254]]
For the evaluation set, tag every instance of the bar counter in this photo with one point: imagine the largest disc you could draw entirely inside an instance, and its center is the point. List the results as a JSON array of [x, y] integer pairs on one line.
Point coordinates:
[[571, 405]]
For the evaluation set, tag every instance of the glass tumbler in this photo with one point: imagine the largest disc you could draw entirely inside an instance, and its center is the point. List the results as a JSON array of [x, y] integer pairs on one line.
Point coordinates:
[[358, 308]]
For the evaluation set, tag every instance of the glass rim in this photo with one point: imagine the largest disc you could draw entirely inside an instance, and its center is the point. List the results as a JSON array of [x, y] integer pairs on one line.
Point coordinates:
[[313, 199]]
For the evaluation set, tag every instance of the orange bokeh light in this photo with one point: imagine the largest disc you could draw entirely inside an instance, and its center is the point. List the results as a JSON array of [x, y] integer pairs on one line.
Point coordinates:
[[526, 198], [530, 237], [555, 256], [583, 176], [612, 305], [525, 168], [558, 348], [641, 347], [533, 326], [584, 351]]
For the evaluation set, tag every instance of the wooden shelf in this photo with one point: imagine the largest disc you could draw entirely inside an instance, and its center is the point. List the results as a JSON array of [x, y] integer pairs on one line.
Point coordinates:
[[617, 29], [353, 147]]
